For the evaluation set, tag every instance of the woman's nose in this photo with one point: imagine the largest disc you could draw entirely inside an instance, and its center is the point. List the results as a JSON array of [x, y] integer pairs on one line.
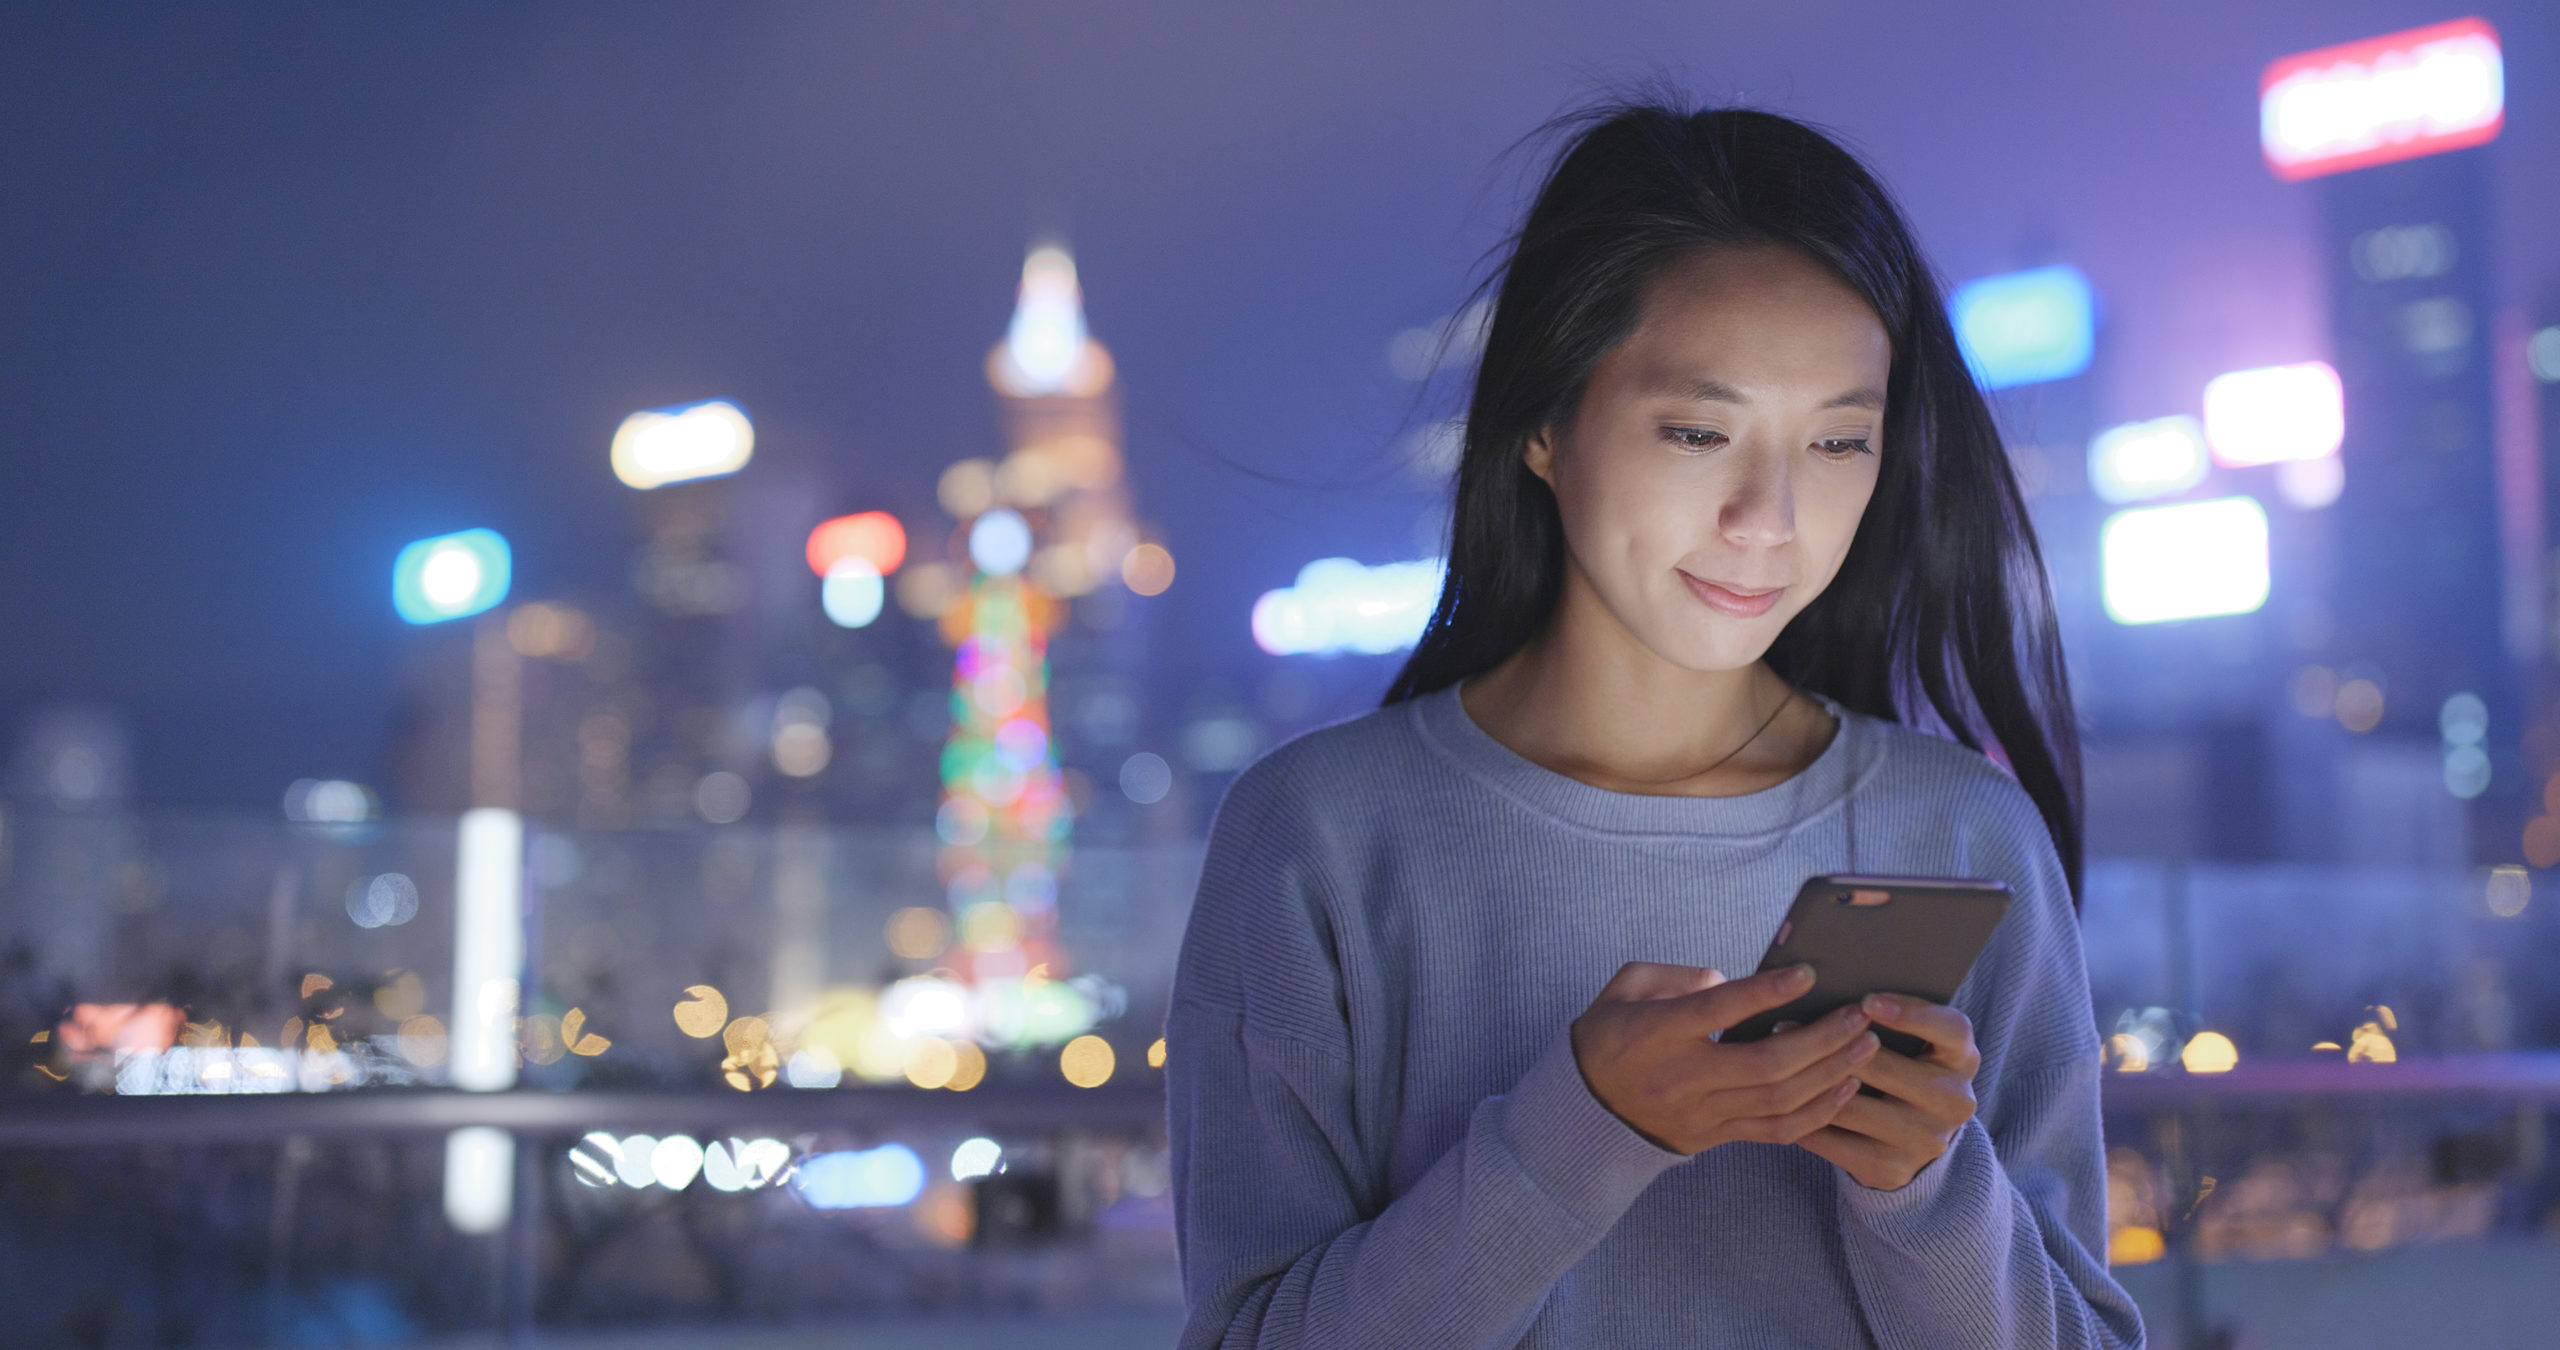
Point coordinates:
[[1761, 510]]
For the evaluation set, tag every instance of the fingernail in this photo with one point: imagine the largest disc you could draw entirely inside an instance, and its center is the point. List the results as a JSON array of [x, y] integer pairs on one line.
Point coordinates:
[[1867, 1045], [1802, 973], [1856, 1019], [1883, 1005]]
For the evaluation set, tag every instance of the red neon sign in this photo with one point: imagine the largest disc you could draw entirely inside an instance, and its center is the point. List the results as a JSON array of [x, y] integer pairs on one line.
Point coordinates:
[[2421, 92]]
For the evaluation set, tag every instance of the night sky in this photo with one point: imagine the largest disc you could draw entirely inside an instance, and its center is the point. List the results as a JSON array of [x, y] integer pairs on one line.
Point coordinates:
[[288, 286]]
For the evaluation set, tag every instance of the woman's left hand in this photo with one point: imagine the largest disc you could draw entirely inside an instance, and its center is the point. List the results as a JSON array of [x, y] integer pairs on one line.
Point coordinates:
[[1884, 1141]]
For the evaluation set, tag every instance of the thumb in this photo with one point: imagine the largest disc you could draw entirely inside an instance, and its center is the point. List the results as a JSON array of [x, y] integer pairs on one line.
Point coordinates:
[[1638, 981]]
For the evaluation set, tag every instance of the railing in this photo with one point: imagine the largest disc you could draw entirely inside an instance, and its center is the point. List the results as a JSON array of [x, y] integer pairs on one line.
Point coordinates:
[[263, 932]]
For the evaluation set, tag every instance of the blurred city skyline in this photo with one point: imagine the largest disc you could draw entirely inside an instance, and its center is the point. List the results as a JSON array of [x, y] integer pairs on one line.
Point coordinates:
[[299, 286]]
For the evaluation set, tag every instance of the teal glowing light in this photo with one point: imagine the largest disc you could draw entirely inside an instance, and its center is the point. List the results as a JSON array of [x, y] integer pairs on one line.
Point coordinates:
[[451, 576], [2026, 327]]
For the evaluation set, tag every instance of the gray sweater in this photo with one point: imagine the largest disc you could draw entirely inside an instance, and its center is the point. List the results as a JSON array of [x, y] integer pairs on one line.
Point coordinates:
[[1379, 1134]]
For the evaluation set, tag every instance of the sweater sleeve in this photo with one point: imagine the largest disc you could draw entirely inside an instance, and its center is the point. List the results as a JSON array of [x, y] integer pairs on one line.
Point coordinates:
[[1286, 1234], [2001, 1240]]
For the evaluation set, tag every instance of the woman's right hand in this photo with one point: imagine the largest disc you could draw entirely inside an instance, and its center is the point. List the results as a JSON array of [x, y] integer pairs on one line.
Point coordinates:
[[1647, 1049]]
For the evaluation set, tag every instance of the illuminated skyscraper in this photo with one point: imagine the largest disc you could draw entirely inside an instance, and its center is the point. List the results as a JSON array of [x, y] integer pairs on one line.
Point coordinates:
[[1045, 525]]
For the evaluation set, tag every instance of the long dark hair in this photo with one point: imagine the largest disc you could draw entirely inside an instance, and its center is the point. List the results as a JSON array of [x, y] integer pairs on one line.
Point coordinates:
[[1941, 614]]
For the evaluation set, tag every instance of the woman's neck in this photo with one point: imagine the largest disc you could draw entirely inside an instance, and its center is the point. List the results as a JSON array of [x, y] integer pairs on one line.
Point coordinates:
[[1604, 709]]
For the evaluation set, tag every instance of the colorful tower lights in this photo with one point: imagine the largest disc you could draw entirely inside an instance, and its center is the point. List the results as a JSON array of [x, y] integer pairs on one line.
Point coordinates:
[[1045, 524]]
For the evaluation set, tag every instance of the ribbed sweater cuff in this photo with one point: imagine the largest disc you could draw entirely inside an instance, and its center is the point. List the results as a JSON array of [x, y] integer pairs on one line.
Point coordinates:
[[1933, 1206], [1574, 1148]]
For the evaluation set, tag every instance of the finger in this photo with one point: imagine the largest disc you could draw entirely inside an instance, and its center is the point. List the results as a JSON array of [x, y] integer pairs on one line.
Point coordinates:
[[1938, 1091], [1849, 1151], [1795, 1125], [1899, 1127], [1792, 1052], [1637, 981], [1793, 1091], [1948, 1032], [1733, 1000]]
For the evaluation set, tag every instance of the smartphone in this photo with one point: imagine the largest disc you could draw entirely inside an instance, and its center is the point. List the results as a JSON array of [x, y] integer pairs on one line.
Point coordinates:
[[1878, 935]]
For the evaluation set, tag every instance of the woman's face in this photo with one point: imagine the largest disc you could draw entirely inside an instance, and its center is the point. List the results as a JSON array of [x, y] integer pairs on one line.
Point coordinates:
[[1715, 471]]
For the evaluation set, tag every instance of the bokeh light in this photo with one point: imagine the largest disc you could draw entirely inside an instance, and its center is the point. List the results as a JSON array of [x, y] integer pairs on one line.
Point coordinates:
[[677, 444], [852, 593], [2418, 92], [2508, 891], [1087, 1061], [1145, 778], [1147, 569], [1337, 605], [1000, 542], [2189, 561], [975, 1158], [875, 537], [2138, 460], [330, 801], [2275, 414], [702, 1012], [917, 933], [451, 576], [880, 1177], [721, 797], [2209, 1052], [2026, 327]]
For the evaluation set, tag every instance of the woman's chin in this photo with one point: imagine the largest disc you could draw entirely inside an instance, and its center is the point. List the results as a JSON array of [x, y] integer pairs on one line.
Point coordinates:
[[1723, 645]]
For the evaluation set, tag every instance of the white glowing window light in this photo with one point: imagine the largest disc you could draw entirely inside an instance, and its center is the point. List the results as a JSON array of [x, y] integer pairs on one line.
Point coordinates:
[[2419, 92], [2158, 458], [451, 576], [2275, 414], [882, 1177], [691, 440], [2026, 327], [1045, 342], [488, 948], [2188, 561], [479, 1178], [1338, 605]]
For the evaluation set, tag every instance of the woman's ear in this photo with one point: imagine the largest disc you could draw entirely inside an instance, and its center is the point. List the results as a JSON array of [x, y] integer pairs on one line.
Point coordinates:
[[1539, 454]]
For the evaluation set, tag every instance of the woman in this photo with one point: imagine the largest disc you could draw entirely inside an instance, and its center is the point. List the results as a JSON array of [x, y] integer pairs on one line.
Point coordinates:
[[1731, 516]]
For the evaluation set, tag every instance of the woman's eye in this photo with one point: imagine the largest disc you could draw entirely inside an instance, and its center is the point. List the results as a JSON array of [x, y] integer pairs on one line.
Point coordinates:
[[1842, 447], [1693, 438]]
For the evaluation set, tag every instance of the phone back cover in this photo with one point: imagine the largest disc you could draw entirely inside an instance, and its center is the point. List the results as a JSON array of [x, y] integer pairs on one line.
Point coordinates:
[[1920, 942]]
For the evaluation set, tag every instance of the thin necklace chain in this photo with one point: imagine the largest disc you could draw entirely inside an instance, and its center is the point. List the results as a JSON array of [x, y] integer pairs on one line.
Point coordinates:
[[1756, 733]]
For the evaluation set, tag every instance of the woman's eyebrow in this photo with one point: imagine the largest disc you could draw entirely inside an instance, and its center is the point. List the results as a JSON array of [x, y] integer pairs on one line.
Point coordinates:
[[1717, 391]]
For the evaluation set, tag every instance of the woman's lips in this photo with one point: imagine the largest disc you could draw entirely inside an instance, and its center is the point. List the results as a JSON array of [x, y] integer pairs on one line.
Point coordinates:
[[1726, 600]]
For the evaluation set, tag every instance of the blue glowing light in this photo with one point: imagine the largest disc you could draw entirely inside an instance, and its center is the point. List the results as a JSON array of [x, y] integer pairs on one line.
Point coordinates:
[[451, 576], [1000, 542], [889, 1175], [2026, 327]]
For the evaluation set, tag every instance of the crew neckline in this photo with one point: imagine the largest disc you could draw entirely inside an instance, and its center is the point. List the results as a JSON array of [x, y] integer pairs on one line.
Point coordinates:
[[1777, 809]]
